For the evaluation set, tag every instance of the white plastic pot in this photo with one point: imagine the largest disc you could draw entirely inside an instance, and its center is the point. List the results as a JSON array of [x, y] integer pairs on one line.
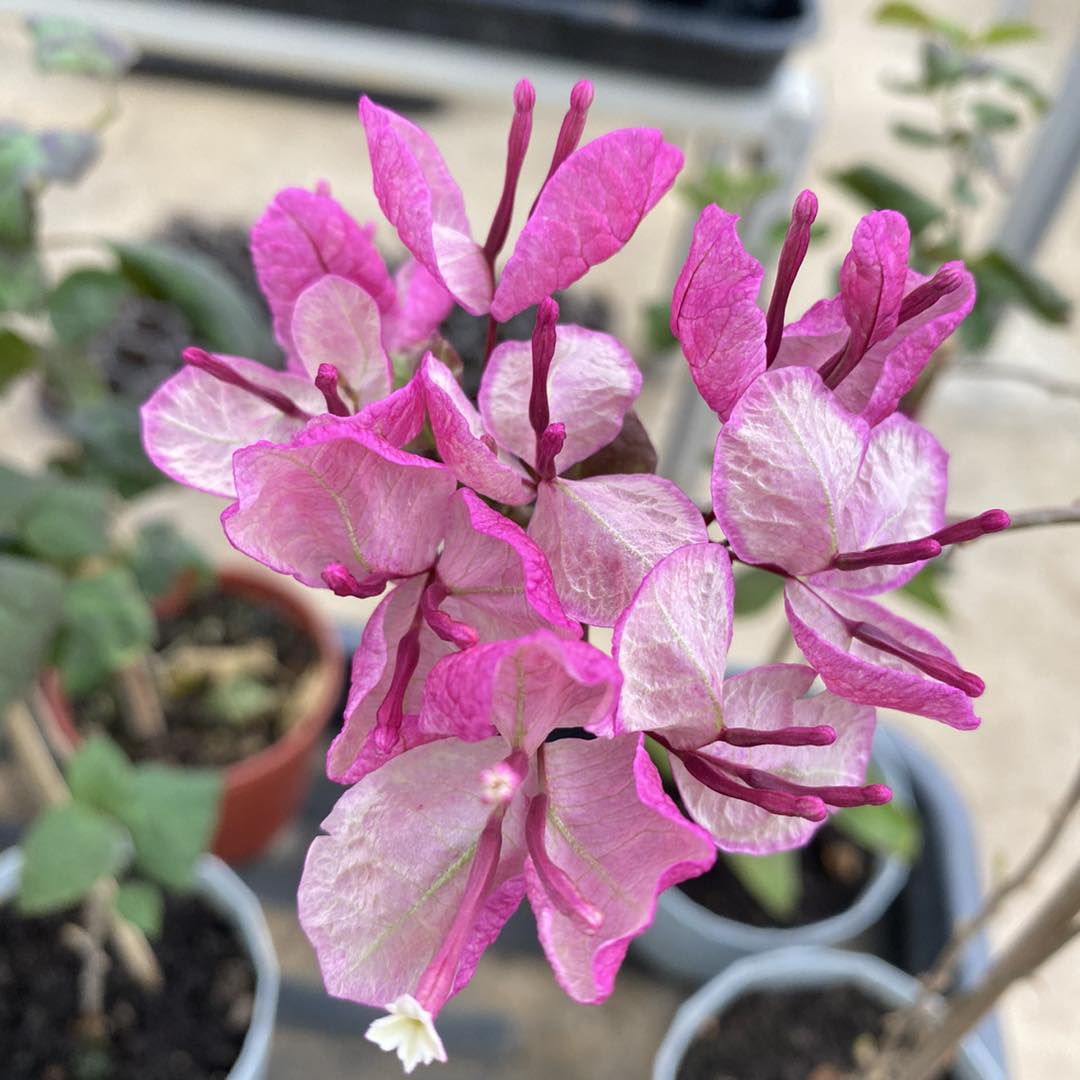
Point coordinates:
[[236, 903], [800, 968], [692, 943]]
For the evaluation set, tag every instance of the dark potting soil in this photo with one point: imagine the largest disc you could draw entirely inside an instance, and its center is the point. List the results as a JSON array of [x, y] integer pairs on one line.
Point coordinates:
[[192, 1030], [195, 735], [784, 1035], [834, 872]]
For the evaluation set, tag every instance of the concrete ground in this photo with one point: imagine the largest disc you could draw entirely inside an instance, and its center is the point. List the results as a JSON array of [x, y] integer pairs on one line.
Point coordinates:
[[1014, 600]]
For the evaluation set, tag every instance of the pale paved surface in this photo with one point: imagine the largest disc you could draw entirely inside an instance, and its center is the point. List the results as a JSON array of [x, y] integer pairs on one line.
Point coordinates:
[[1015, 600]]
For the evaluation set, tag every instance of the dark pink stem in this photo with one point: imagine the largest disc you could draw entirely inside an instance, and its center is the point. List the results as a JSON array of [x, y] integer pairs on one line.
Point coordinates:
[[327, 382], [517, 144], [445, 626], [936, 667], [901, 554], [341, 581], [437, 982], [390, 714], [948, 279], [562, 892], [840, 796], [573, 127], [212, 365], [796, 243], [822, 735], [990, 521], [710, 774]]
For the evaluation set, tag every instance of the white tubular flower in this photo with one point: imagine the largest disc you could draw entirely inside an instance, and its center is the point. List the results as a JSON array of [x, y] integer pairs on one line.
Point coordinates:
[[409, 1030]]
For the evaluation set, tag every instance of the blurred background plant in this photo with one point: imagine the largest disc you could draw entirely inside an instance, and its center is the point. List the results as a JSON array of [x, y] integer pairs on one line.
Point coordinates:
[[105, 334], [969, 105]]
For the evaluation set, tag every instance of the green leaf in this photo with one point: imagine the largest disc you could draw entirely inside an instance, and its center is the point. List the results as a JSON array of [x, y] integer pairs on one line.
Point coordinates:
[[162, 556], [109, 447], [66, 850], [31, 601], [658, 336], [941, 66], [1004, 278], [107, 624], [172, 815], [913, 17], [774, 881], [67, 522], [660, 759], [924, 588], [1022, 86], [223, 316], [17, 216], [22, 280], [963, 191], [889, 829], [17, 356], [915, 135], [100, 775], [737, 192], [1008, 32], [141, 903], [755, 590], [883, 192], [240, 701], [17, 491], [990, 116], [86, 302], [63, 44], [902, 14]]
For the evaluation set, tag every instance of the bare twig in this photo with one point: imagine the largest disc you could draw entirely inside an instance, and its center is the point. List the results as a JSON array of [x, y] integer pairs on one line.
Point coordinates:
[[1056, 515], [938, 979], [32, 754], [139, 700], [1014, 373], [904, 1026], [1052, 927]]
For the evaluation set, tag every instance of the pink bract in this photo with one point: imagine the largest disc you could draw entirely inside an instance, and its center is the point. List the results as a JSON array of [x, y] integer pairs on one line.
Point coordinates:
[[193, 423], [587, 212], [303, 236], [603, 535], [592, 382], [715, 314]]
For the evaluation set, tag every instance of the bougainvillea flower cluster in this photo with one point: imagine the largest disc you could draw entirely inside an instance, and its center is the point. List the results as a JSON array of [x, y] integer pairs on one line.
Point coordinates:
[[492, 753]]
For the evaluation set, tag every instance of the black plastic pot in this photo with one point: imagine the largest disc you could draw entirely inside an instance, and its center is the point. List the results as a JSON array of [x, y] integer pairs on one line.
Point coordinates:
[[722, 43]]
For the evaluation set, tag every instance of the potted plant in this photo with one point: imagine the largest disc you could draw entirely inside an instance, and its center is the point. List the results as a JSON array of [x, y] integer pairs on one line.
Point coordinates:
[[174, 662], [490, 751], [798, 1011], [121, 944]]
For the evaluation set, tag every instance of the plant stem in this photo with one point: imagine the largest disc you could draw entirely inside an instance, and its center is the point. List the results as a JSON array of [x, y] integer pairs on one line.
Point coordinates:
[[938, 979], [140, 702], [30, 751], [89, 942], [1057, 515], [1050, 929], [1015, 373]]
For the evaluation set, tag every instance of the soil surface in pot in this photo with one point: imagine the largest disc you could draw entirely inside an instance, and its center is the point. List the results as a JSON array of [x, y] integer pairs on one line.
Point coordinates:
[[834, 870], [193, 1030], [784, 1035], [227, 666]]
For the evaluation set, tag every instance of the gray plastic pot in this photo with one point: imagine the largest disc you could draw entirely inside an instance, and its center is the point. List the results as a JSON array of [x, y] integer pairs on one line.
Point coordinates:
[[224, 891], [799, 968], [692, 943]]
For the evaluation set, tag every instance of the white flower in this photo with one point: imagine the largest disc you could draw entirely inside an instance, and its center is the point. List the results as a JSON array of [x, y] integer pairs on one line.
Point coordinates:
[[410, 1030]]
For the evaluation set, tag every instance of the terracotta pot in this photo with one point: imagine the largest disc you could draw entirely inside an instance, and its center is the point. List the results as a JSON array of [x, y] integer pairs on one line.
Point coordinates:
[[262, 792]]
